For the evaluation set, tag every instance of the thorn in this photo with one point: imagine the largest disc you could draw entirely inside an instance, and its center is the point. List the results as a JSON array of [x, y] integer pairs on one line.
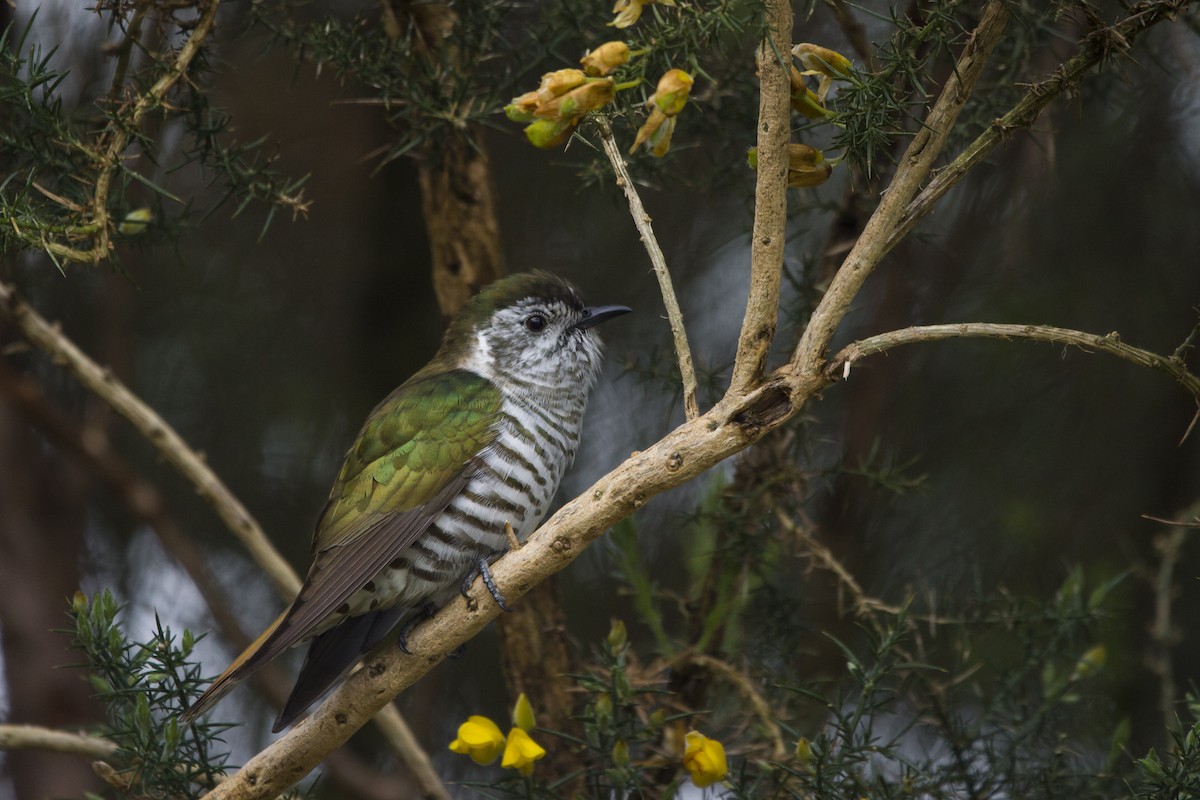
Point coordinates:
[[514, 543]]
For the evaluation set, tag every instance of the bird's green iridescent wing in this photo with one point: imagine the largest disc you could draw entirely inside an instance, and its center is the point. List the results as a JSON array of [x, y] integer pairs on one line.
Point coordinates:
[[414, 454], [412, 444]]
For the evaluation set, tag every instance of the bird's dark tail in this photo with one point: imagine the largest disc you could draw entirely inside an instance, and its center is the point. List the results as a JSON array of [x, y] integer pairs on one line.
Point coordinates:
[[260, 651], [330, 656]]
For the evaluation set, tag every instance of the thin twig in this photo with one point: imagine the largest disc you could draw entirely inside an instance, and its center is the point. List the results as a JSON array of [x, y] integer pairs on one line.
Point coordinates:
[[770, 200], [1111, 343], [641, 220], [119, 133], [914, 167], [864, 604], [1163, 633], [762, 709], [191, 464]]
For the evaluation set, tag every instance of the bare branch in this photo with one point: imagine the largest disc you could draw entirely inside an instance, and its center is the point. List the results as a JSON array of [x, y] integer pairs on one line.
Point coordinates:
[[641, 220], [32, 737], [914, 167], [1111, 343], [770, 200]]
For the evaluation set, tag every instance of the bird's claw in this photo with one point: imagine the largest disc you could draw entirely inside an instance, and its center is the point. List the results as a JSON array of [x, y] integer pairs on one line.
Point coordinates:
[[480, 568]]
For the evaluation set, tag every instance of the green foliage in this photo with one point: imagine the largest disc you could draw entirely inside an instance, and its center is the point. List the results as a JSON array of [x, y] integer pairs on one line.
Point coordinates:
[[145, 686], [66, 160], [1175, 773]]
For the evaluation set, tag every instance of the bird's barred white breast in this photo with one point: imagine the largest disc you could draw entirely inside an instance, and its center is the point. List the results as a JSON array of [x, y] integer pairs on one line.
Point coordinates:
[[515, 483]]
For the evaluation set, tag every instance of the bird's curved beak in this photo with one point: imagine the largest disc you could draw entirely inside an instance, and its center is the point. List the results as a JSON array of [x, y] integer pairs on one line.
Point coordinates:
[[596, 314]]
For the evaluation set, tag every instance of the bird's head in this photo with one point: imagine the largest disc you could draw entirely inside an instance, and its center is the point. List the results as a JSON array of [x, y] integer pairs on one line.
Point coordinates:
[[529, 330]]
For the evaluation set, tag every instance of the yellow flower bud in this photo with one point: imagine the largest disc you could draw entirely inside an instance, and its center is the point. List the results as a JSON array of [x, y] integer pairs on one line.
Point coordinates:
[[517, 114], [522, 715], [817, 60], [704, 759], [806, 167], [135, 222], [606, 58], [521, 751], [592, 95], [657, 131], [521, 108], [630, 11], [617, 636], [660, 142], [480, 739], [559, 82], [549, 133], [804, 754], [671, 95], [822, 60], [620, 753], [804, 100], [1090, 662]]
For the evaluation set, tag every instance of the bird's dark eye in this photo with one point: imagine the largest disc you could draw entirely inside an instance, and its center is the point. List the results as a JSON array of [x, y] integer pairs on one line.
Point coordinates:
[[535, 323]]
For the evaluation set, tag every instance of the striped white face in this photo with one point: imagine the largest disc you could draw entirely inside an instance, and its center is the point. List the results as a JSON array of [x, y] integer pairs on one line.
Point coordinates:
[[535, 345]]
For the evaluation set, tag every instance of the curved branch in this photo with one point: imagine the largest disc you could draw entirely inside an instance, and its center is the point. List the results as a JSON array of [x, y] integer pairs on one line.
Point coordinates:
[[641, 220], [1110, 343]]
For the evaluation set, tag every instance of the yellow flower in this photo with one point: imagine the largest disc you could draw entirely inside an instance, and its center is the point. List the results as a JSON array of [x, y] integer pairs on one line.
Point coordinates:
[[817, 60], [480, 739], [605, 59], [521, 751], [630, 11], [806, 165], [1090, 662], [804, 100], [704, 759], [669, 98], [135, 222], [671, 94], [559, 82], [657, 131], [822, 60], [546, 134], [572, 105]]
